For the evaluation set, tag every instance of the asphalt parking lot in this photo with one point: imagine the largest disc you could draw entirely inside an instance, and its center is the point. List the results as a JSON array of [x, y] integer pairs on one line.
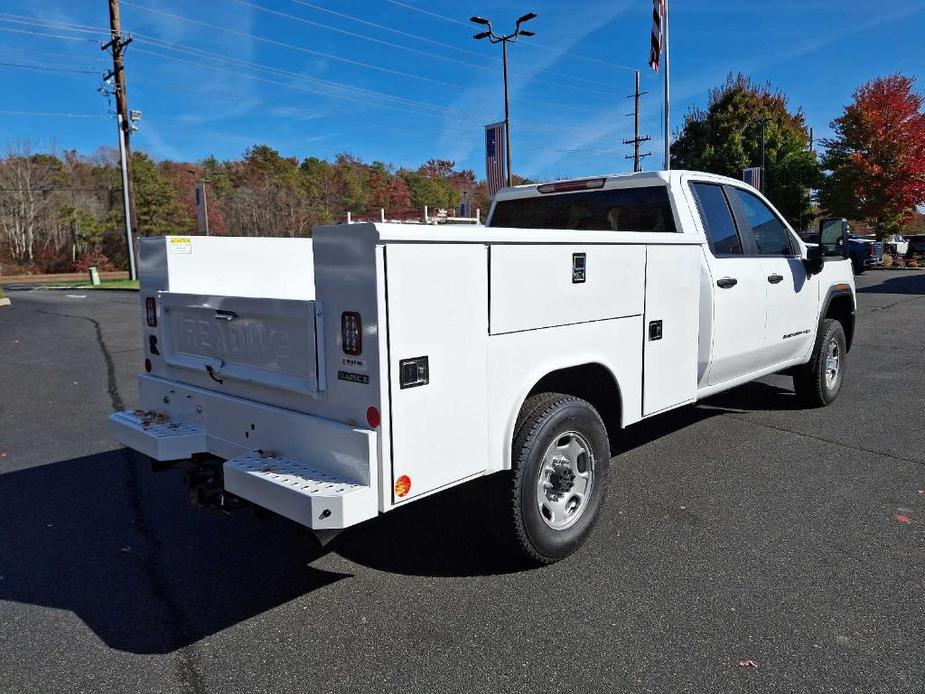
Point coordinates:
[[747, 545]]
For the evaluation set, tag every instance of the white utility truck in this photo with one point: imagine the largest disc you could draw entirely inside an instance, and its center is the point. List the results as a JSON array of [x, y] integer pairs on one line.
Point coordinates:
[[336, 378]]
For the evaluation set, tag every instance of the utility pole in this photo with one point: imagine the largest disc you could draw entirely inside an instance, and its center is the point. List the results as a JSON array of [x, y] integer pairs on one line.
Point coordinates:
[[637, 140], [125, 121]]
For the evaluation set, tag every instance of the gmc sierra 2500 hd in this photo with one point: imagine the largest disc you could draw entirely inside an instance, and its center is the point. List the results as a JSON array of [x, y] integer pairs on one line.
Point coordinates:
[[335, 378]]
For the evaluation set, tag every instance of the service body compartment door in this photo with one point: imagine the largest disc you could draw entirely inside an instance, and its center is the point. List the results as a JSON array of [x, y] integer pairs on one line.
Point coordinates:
[[270, 342], [438, 309], [671, 327], [542, 286]]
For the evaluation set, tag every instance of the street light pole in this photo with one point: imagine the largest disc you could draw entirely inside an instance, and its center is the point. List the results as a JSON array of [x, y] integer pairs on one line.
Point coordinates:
[[504, 39], [507, 116]]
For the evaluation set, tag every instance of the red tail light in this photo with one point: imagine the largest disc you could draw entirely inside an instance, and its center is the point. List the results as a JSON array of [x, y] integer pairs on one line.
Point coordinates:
[[571, 186], [151, 312], [870, 249], [351, 333]]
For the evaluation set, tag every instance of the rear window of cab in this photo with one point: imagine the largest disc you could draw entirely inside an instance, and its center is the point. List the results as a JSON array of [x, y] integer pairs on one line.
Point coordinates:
[[645, 208]]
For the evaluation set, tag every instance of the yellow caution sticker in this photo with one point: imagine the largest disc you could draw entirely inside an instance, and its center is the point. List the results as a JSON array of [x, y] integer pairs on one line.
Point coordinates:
[[180, 244]]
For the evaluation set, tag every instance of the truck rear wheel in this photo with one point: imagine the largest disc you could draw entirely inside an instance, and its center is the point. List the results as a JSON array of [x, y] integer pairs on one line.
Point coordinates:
[[819, 382], [560, 460]]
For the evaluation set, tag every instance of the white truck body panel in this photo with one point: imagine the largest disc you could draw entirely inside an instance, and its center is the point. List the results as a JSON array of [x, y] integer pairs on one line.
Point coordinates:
[[532, 287], [437, 296], [248, 360]]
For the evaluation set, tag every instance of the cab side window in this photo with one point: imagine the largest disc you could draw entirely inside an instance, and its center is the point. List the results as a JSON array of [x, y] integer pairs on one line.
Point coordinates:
[[717, 219], [769, 233]]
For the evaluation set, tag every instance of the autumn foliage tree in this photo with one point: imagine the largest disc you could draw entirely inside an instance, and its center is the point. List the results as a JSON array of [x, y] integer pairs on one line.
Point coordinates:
[[726, 138], [877, 158]]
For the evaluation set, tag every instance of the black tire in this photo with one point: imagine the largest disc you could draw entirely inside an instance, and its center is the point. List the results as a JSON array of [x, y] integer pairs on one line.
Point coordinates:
[[546, 419], [811, 383], [858, 268]]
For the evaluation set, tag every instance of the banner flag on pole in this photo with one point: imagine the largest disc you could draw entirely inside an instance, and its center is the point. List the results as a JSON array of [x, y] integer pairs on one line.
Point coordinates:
[[752, 176], [655, 52], [494, 157]]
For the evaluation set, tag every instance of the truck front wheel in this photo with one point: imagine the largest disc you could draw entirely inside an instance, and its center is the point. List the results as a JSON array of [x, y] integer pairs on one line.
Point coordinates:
[[560, 460], [819, 382]]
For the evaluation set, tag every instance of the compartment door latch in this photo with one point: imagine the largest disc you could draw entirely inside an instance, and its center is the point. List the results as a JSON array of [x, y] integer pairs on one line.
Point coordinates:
[[579, 267]]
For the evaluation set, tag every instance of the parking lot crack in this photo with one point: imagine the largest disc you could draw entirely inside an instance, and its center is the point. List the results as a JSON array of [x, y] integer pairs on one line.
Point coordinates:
[[841, 444], [188, 674], [893, 305]]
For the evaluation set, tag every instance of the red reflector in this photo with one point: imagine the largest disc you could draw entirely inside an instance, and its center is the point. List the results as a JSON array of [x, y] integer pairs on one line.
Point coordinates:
[[870, 249], [402, 485], [151, 312], [148, 365], [373, 417], [571, 186], [351, 333]]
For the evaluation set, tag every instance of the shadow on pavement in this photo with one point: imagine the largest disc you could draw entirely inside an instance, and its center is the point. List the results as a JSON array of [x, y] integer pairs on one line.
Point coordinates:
[[153, 580], [464, 531], [755, 396], [116, 544], [902, 283]]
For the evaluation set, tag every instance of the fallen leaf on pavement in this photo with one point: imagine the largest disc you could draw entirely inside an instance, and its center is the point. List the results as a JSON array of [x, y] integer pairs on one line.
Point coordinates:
[[748, 662], [902, 518]]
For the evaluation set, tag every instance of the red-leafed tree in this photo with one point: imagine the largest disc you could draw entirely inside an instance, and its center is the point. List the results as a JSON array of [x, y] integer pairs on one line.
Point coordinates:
[[877, 158]]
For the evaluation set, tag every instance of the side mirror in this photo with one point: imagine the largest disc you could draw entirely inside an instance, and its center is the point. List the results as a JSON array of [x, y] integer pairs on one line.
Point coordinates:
[[814, 260], [833, 237]]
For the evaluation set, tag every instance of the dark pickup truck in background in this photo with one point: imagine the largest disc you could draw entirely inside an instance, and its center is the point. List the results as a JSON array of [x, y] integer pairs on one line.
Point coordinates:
[[865, 252], [833, 233]]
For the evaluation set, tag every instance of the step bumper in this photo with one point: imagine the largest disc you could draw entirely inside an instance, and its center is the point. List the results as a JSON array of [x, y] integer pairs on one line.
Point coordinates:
[[157, 436], [299, 491], [317, 472]]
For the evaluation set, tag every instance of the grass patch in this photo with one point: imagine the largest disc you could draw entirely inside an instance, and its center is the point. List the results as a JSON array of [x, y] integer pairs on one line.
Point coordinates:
[[104, 284]]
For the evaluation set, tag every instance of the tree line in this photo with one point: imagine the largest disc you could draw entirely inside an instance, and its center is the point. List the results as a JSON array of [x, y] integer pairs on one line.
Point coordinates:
[[64, 212]]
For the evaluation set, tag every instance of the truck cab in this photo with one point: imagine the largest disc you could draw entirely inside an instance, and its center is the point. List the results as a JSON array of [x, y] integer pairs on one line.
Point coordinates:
[[335, 378]]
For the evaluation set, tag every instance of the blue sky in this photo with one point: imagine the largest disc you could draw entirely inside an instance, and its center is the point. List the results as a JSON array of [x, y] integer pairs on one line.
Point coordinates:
[[403, 81]]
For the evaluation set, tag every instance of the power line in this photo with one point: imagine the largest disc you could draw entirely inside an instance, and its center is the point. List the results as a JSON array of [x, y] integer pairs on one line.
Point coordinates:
[[324, 87], [418, 37], [52, 23], [390, 29], [532, 43], [294, 47], [20, 49], [310, 22], [52, 114], [53, 36], [49, 68], [408, 48]]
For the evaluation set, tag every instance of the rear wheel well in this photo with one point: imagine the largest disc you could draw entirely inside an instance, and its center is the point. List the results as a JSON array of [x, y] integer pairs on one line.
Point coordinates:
[[841, 308], [591, 382]]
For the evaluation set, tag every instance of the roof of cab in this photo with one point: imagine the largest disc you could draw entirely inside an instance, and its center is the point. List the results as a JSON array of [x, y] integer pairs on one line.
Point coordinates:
[[613, 180]]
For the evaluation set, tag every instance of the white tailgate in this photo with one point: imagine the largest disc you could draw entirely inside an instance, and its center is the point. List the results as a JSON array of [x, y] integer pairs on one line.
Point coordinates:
[[271, 342], [532, 285], [671, 327]]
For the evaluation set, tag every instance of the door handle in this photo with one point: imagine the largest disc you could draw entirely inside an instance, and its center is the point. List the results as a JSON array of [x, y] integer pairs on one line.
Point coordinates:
[[775, 278], [726, 282]]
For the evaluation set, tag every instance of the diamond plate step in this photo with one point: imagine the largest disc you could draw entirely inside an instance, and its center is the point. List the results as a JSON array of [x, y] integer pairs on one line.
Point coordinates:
[[157, 436], [299, 491]]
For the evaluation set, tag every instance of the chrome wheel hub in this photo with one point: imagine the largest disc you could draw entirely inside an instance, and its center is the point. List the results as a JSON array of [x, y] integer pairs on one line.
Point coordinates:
[[565, 480], [832, 364]]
